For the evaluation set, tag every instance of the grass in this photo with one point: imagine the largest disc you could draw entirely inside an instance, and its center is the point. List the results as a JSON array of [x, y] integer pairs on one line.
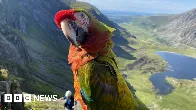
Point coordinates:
[[144, 34], [142, 86], [183, 97], [3, 74], [58, 105]]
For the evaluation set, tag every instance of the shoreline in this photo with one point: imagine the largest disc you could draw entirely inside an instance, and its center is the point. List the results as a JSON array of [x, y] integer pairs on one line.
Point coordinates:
[[194, 57]]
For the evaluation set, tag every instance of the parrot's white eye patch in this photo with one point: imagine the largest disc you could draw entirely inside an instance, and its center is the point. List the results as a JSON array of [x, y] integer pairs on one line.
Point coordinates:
[[82, 20]]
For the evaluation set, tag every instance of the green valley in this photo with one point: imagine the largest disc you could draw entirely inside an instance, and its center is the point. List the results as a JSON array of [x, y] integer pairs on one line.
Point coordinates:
[[148, 63]]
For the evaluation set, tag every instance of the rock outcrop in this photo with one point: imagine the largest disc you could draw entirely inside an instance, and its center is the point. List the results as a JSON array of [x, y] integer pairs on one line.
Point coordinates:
[[181, 30]]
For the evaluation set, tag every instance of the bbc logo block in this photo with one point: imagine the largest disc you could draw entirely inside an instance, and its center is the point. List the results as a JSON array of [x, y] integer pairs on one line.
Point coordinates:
[[27, 97], [17, 97], [8, 97]]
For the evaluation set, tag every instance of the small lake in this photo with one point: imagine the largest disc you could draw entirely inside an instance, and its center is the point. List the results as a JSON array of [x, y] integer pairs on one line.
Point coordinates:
[[179, 67]]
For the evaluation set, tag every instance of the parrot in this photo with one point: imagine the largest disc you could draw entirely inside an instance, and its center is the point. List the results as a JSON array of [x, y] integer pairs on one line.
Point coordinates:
[[98, 82]]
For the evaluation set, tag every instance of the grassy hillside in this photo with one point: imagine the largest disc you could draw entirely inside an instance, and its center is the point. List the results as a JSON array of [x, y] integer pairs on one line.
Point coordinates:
[[147, 22], [143, 27], [182, 98], [148, 63]]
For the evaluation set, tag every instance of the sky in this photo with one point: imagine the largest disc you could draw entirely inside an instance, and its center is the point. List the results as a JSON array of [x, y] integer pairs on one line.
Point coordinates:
[[147, 6]]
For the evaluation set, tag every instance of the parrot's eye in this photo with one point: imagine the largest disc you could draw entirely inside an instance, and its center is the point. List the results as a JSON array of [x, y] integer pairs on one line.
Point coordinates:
[[73, 25], [82, 15]]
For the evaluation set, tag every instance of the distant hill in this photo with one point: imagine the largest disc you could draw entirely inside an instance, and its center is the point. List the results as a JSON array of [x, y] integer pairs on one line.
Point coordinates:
[[35, 51], [169, 29], [143, 26], [124, 13], [148, 22], [182, 29]]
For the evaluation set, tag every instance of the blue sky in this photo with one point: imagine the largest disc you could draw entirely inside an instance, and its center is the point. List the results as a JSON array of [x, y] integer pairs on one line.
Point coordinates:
[[148, 6]]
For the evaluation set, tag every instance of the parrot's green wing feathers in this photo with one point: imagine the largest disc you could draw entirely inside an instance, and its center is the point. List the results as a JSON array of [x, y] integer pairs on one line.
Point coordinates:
[[98, 85]]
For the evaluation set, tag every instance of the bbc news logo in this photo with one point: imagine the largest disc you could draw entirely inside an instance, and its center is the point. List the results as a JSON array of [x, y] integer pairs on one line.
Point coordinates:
[[28, 98]]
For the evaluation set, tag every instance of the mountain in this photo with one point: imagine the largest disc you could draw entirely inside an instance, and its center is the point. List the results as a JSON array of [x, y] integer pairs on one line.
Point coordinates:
[[35, 51], [167, 29], [146, 22], [181, 30], [32, 48], [124, 13], [143, 26]]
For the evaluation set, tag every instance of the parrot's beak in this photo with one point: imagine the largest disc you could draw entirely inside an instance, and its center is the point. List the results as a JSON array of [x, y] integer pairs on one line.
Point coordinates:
[[75, 34], [69, 32]]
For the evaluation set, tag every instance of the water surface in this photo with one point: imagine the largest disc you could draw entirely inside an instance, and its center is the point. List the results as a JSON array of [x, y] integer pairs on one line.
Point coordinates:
[[179, 67]]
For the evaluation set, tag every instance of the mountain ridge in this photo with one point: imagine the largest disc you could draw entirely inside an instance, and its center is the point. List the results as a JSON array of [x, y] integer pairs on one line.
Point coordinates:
[[181, 30]]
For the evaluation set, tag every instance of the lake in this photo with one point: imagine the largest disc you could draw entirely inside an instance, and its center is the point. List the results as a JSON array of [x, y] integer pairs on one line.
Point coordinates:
[[179, 67]]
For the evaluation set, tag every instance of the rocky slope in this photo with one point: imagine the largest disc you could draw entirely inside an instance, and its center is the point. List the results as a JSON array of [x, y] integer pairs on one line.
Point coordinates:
[[35, 51], [32, 47], [181, 30]]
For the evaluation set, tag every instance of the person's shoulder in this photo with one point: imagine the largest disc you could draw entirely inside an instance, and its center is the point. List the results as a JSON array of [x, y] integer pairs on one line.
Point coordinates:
[[64, 97]]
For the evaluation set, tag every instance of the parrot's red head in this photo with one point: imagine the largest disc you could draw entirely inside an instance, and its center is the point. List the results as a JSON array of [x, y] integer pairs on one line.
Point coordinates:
[[82, 30], [74, 25]]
